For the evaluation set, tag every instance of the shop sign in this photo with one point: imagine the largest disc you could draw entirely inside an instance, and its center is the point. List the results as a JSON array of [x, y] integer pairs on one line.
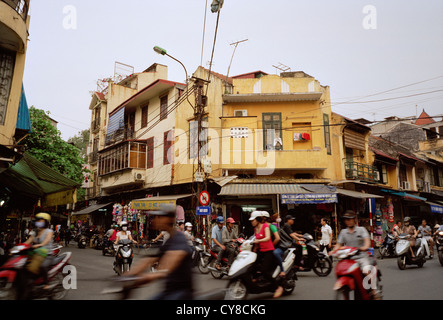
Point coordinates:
[[151, 204], [308, 198], [436, 209]]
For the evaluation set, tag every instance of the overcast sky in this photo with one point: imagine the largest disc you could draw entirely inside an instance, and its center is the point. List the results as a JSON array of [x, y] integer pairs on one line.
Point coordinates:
[[358, 48]]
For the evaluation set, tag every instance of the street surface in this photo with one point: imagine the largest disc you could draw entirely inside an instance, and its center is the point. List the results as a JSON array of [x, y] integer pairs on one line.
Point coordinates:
[[95, 273]]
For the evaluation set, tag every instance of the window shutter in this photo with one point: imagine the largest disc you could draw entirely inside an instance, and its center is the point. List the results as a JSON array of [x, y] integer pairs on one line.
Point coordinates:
[[150, 151], [327, 132]]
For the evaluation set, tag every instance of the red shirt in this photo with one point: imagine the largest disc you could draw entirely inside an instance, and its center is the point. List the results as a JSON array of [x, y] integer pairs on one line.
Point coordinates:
[[267, 245]]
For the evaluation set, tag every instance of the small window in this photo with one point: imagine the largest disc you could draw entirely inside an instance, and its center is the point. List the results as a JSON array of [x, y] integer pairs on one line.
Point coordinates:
[[163, 107], [144, 122]]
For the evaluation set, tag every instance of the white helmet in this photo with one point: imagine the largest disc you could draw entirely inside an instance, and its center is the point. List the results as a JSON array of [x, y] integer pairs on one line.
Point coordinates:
[[265, 214], [188, 224], [256, 214]]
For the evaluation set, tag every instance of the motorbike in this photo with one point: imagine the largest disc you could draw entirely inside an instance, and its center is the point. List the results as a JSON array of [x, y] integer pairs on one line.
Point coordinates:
[[108, 247], [82, 241], [313, 259], [404, 257], [350, 278], [439, 243], [244, 280], [97, 241], [17, 282], [211, 261], [387, 249], [198, 256], [123, 257]]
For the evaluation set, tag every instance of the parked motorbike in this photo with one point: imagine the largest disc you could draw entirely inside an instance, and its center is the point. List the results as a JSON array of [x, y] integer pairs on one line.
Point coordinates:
[[198, 256], [387, 249], [244, 280], [97, 241], [123, 257], [17, 282], [313, 259], [108, 247], [404, 257], [82, 241], [350, 278], [439, 243], [223, 271]]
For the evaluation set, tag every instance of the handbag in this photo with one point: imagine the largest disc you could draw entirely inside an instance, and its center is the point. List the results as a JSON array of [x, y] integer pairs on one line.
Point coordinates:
[[285, 239]]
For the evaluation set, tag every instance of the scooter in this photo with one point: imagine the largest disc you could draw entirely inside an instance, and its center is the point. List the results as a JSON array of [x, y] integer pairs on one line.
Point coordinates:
[[123, 257], [313, 259], [387, 249], [82, 241], [439, 243], [198, 256], [404, 257], [17, 282], [243, 280], [108, 247], [223, 271], [350, 278]]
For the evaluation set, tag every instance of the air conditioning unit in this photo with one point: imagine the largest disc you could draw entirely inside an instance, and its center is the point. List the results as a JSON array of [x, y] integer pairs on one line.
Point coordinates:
[[139, 176], [405, 185], [240, 113]]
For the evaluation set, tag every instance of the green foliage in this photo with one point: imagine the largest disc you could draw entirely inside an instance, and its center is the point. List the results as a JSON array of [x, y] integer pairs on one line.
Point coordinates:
[[46, 145], [81, 141]]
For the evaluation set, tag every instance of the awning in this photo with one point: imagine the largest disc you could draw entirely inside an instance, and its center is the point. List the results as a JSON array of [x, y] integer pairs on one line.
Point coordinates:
[[435, 207], [406, 196], [154, 203], [90, 209], [356, 194], [240, 189]]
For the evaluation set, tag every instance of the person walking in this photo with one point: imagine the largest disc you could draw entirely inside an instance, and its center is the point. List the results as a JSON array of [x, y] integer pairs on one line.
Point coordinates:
[[326, 236]]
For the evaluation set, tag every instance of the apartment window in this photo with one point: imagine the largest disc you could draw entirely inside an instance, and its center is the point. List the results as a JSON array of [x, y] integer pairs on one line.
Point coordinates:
[[163, 107], [7, 62], [272, 131], [168, 151], [150, 154], [144, 122]]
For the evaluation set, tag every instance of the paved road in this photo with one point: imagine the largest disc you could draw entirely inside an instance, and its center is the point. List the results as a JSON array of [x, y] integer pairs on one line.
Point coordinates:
[[94, 272]]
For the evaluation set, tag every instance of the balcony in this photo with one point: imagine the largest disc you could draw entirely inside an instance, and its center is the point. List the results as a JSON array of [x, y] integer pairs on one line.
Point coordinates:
[[93, 157], [119, 136], [360, 171], [20, 6], [128, 155], [95, 125]]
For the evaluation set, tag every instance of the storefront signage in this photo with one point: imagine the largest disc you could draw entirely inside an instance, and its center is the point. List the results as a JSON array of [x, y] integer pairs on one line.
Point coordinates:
[[436, 209], [308, 198], [150, 204], [203, 211]]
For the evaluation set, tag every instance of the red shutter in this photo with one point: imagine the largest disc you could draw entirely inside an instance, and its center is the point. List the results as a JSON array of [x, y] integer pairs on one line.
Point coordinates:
[[150, 155]]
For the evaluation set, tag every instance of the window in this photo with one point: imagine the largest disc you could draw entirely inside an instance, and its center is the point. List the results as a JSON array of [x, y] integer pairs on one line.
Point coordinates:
[[7, 62], [127, 155], [163, 107], [272, 135], [144, 122], [150, 155], [327, 133], [168, 151]]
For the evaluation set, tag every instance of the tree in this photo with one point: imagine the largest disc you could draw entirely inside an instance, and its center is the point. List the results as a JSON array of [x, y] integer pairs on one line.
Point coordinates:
[[46, 145], [81, 141]]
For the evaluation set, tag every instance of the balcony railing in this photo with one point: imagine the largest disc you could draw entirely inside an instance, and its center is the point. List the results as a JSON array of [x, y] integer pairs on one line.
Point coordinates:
[[129, 155], [119, 135], [361, 171], [21, 6]]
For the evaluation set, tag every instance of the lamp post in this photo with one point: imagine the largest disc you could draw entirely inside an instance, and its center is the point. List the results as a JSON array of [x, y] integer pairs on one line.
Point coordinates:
[[163, 52]]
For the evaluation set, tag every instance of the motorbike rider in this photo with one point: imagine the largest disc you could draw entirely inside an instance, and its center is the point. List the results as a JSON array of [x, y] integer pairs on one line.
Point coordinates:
[[357, 237], [275, 237], [287, 231], [174, 260], [217, 240], [123, 234], [42, 239], [396, 228], [426, 233], [265, 258], [410, 229], [188, 233], [229, 236]]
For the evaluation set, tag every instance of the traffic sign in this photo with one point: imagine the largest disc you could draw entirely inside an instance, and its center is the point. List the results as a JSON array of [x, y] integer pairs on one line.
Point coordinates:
[[203, 198], [203, 211]]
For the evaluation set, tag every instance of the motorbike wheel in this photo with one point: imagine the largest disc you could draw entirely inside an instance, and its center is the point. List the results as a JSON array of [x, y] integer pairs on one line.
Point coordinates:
[[343, 294], [203, 266], [401, 262], [383, 251], [7, 293], [236, 290], [440, 257], [215, 274], [322, 267], [125, 267], [59, 292]]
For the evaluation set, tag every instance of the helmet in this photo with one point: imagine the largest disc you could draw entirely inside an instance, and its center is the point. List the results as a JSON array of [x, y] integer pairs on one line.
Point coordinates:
[[188, 224], [265, 214], [255, 215], [437, 226], [220, 219], [349, 214], [124, 223], [230, 220], [44, 216], [289, 217], [407, 219]]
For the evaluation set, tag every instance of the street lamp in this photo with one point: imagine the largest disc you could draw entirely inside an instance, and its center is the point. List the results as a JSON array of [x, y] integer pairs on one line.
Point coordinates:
[[163, 52]]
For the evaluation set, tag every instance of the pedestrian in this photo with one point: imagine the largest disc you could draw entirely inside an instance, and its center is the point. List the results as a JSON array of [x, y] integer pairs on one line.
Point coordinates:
[[326, 236]]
